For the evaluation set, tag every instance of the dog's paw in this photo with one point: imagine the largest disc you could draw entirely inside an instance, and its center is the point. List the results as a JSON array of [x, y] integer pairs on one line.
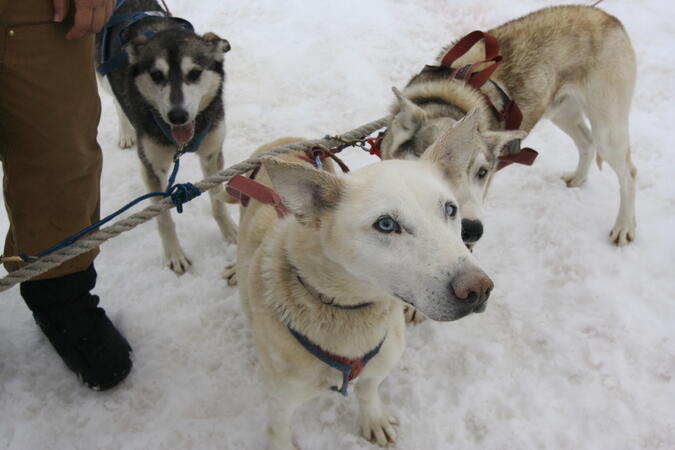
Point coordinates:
[[178, 262], [380, 430], [412, 315], [573, 179], [126, 140], [622, 234], [230, 274]]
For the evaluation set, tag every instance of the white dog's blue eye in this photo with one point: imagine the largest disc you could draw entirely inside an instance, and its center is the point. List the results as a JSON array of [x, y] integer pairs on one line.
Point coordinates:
[[450, 209], [386, 224]]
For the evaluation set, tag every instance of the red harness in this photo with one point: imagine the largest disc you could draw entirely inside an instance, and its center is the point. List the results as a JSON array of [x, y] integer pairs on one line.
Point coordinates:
[[510, 113], [244, 188]]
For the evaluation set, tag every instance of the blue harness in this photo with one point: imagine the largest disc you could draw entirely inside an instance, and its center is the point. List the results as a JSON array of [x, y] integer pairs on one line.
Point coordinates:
[[108, 62], [350, 368]]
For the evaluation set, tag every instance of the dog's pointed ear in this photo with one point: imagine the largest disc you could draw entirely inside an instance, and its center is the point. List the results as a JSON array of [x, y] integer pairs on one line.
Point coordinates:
[[498, 140], [306, 191], [407, 119], [219, 45], [457, 141], [410, 116], [133, 46]]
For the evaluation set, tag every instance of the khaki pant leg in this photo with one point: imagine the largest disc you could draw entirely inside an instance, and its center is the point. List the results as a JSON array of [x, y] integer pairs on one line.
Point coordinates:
[[49, 113]]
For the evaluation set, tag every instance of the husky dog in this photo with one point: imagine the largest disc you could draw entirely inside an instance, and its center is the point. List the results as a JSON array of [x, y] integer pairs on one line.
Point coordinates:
[[168, 92], [565, 63], [331, 278]]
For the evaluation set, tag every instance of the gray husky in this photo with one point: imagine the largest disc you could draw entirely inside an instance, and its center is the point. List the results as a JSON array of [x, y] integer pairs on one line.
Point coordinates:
[[168, 93], [564, 63]]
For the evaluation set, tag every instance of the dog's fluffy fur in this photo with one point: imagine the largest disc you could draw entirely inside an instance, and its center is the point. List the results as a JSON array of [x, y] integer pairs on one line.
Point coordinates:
[[177, 76], [330, 241], [565, 63]]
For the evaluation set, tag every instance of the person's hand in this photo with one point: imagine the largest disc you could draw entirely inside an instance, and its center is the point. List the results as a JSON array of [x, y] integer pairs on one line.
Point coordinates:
[[90, 15]]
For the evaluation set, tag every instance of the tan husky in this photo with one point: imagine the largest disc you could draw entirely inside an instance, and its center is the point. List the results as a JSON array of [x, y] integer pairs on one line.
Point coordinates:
[[565, 63], [323, 287]]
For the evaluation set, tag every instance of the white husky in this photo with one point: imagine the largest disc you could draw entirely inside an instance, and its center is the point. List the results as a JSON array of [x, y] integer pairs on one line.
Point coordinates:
[[324, 287]]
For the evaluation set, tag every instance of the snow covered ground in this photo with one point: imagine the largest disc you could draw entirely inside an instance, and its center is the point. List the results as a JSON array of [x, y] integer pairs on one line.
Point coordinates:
[[577, 346]]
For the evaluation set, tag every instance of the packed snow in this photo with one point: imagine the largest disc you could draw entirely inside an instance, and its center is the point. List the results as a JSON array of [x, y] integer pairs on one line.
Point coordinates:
[[576, 348]]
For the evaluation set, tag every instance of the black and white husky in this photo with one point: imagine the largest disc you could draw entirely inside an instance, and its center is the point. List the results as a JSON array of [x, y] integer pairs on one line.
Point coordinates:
[[167, 82]]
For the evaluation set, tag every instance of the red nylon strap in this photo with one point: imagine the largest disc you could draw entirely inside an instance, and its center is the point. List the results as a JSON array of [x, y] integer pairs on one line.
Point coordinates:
[[525, 156], [357, 365], [478, 79], [243, 188], [375, 145], [323, 153], [511, 115], [243, 198], [464, 45]]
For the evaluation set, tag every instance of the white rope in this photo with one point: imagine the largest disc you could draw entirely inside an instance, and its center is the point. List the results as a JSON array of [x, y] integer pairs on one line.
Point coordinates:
[[97, 238]]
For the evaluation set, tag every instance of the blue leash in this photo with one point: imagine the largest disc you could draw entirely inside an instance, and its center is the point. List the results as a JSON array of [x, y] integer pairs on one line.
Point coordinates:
[[179, 193]]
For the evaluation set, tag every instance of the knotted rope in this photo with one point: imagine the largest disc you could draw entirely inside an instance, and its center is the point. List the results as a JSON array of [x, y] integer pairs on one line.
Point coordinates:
[[99, 237]]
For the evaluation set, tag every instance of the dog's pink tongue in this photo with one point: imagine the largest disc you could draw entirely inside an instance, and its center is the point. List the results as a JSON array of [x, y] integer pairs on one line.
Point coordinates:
[[183, 133]]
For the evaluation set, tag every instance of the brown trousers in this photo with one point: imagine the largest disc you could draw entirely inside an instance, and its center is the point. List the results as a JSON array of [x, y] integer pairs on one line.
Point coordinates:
[[49, 114]]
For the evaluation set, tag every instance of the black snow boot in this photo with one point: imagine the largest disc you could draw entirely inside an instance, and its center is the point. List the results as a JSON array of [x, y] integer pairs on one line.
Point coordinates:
[[79, 330]]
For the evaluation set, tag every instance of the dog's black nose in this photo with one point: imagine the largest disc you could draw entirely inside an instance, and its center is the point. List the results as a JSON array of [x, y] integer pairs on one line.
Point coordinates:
[[472, 230], [178, 116]]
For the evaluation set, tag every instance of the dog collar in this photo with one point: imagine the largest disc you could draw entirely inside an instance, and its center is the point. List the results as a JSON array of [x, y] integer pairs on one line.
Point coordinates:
[[350, 368], [328, 301]]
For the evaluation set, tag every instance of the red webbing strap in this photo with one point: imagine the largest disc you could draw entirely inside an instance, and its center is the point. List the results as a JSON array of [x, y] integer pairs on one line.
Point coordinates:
[[357, 365], [322, 153], [464, 45], [511, 115], [243, 198], [375, 145], [478, 79], [242, 188], [525, 156]]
